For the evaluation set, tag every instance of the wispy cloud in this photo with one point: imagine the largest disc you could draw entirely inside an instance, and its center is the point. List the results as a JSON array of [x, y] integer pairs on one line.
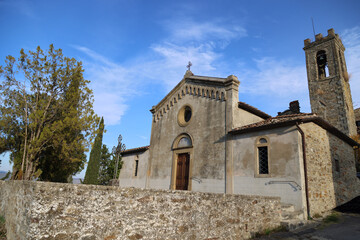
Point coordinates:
[[218, 31], [200, 42], [351, 40], [109, 83], [275, 77], [164, 63]]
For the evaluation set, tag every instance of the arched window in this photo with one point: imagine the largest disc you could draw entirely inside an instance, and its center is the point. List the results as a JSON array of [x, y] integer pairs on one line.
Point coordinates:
[[262, 156], [322, 64], [182, 141]]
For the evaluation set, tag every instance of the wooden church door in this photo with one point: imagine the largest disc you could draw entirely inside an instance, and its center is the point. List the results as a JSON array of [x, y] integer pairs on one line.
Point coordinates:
[[182, 171]]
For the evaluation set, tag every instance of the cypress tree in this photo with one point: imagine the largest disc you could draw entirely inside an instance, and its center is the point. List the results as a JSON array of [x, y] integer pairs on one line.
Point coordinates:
[[92, 170]]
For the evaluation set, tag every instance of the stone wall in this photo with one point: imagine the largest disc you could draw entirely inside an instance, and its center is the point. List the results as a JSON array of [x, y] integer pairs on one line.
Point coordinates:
[[38, 210], [328, 187]]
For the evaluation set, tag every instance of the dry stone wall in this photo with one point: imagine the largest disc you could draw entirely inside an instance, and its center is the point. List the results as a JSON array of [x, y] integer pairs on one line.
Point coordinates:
[[38, 210]]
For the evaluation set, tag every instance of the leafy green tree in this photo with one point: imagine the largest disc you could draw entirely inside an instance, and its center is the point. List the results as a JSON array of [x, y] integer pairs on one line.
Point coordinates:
[[92, 170], [117, 155], [111, 164], [107, 166], [67, 153], [46, 115]]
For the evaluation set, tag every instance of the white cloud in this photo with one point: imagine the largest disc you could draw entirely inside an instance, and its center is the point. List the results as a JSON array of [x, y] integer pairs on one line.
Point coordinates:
[[172, 60], [110, 85], [275, 77], [351, 40], [186, 29], [198, 42], [282, 79]]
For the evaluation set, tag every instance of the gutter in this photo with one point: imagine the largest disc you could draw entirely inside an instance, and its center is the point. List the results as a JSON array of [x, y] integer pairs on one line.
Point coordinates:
[[305, 168]]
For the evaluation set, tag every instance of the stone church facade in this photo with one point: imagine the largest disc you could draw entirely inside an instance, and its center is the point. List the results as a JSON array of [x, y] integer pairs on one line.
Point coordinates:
[[204, 139]]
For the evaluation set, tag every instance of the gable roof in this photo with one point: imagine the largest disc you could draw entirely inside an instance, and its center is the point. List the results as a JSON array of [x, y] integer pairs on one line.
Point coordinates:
[[288, 120], [253, 110], [189, 77], [134, 150]]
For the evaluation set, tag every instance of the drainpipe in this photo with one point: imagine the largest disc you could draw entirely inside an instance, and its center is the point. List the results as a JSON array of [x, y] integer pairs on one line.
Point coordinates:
[[225, 146], [305, 168]]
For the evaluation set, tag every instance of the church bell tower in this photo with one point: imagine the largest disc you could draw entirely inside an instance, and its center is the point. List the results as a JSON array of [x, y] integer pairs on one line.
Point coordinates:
[[328, 81]]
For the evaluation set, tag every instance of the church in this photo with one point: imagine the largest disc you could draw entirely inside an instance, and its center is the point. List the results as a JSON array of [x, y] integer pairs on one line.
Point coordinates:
[[204, 139]]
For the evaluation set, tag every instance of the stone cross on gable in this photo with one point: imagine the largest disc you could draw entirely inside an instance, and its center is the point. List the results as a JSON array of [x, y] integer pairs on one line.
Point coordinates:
[[189, 65]]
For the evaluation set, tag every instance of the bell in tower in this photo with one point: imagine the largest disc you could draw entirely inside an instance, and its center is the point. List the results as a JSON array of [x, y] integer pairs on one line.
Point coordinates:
[[322, 64]]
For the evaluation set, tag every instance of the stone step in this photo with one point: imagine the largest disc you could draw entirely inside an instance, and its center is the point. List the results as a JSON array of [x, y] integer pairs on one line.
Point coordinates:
[[287, 207], [295, 215], [292, 225]]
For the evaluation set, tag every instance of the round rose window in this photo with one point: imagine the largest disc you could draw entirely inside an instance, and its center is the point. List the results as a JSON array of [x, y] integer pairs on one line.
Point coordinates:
[[184, 115]]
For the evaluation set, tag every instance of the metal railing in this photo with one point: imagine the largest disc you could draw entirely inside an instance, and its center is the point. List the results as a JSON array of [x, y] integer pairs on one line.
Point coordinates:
[[293, 184]]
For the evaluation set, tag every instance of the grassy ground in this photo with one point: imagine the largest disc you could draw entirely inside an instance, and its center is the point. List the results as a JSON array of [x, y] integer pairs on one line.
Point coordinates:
[[2, 228]]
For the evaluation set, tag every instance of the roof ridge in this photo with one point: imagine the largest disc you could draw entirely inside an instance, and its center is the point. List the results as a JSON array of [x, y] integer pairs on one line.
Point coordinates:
[[136, 149], [287, 120], [294, 115], [253, 110]]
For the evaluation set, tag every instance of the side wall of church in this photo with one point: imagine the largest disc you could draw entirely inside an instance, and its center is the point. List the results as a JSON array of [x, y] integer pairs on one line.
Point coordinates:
[[285, 165], [206, 129], [330, 184], [127, 176], [243, 118]]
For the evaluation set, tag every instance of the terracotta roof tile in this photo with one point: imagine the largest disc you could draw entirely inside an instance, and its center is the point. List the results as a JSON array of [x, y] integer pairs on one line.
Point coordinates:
[[253, 110], [135, 150], [288, 120], [276, 120]]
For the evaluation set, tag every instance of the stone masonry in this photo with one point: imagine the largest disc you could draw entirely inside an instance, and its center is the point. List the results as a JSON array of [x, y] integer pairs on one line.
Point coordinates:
[[328, 185], [38, 210], [330, 95]]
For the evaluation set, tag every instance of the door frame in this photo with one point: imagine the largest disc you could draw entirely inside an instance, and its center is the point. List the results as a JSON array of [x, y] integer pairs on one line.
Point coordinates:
[[176, 151], [174, 166]]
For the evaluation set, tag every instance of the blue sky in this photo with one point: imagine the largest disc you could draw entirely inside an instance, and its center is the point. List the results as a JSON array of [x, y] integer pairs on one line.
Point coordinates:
[[134, 52]]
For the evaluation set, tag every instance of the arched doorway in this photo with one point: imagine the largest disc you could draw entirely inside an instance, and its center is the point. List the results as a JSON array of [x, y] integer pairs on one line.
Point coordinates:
[[181, 174]]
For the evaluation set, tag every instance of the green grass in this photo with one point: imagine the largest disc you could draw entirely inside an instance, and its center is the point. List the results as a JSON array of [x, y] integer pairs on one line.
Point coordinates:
[[332, 218], [269, 231]]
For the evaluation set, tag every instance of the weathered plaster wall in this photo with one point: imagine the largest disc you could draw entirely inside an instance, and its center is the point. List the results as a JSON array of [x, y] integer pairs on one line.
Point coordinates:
[[206, 128], [127, 176], [243, 118], [327, 187], [285, 164], [37, 210]]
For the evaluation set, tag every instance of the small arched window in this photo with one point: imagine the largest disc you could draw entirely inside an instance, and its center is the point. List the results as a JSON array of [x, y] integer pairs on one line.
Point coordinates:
[[262, 156], [182, 141], [322, 64]]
